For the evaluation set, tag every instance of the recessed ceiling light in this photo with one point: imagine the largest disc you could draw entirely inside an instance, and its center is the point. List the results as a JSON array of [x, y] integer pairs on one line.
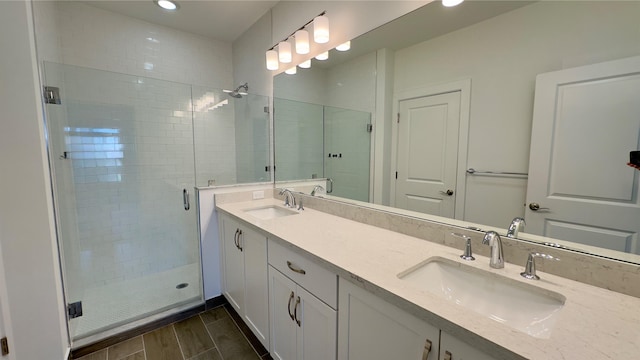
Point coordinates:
[[166, 4], [450, 3]]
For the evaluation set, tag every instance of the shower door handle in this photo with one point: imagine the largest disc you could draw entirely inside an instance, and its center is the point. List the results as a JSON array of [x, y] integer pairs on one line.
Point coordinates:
[[329, 188], [185, 199]]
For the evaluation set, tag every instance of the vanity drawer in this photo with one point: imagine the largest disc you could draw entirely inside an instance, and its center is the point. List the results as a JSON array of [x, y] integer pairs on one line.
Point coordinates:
[[314, 278]]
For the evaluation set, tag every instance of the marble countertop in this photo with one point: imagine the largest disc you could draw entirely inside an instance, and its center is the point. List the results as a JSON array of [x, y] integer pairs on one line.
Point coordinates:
[[593, 324]]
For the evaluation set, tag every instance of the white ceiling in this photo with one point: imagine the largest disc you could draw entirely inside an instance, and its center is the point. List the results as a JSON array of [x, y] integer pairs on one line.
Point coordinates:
[[223, 20]]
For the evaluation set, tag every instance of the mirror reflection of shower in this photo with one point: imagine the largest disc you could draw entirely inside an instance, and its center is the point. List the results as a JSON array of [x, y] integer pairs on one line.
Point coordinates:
[[237, 93]]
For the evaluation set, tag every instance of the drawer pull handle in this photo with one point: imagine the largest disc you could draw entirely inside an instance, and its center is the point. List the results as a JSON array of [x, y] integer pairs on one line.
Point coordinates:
[[427, 350], [447, 355], [295, 311], [295, 269], [289, 306]]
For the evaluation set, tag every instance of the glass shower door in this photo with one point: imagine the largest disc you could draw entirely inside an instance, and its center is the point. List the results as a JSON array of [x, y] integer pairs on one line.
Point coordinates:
[[122, 155]]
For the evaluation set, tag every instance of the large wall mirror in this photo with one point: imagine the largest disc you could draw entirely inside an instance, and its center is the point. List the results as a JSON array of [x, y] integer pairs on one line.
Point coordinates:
[[483, 112]]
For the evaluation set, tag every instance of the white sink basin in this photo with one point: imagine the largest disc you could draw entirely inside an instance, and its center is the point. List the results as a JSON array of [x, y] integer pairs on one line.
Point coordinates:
[[270, 212], [521, 306]]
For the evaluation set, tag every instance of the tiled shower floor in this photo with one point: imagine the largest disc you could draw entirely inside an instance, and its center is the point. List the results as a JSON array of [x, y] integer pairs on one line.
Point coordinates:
[[211, 335], [118, 303]]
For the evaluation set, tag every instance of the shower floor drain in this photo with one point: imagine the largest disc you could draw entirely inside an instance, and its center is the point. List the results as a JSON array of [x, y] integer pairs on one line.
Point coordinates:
[[182, 285]]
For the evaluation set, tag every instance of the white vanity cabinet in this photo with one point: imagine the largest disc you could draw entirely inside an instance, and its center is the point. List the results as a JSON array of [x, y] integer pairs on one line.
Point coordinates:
[[371, 328], [303, 307], [245, 278]]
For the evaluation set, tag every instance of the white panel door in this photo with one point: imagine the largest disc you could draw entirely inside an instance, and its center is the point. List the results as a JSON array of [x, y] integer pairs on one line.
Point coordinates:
[[256, 284], [233, 261], [317, 335], [586, 120], [282, 297], [428, 154]]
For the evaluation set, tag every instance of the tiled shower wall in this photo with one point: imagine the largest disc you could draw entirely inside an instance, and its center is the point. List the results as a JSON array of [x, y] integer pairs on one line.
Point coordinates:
[[79, 34], [130, 157]]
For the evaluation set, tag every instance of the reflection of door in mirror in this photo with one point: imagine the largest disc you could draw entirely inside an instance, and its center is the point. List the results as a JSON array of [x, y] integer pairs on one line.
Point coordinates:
[[585, 122], [427, 153]]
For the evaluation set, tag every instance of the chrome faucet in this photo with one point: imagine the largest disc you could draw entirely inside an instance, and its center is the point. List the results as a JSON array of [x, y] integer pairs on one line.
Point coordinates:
[[494, 241], [289, 199], [316, 188], [530, 268], [517, 224]]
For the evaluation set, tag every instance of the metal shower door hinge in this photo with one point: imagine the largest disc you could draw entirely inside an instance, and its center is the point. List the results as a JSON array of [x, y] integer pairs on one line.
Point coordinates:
[[4, 344], [369, 127], [266, 109], [52, 95], [74, 309]]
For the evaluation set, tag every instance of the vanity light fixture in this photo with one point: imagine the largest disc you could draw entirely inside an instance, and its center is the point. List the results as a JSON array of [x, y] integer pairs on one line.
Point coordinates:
[[282, 51], [167, 4], [321, 29], [344, 46], [305, 64], [302, 41], [272, 60], [450, 3], [323, 56], [291, 71]]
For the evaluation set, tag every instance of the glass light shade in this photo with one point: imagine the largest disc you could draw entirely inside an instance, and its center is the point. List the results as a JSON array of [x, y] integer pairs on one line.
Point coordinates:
[[302, 41], [450, 3], [284, 52], [344, 47], [321, 29], [272, 60], [323, 56], [291, 71], [306, 64]]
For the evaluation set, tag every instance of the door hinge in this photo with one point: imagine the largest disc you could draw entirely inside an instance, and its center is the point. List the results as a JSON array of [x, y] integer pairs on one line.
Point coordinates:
[[266, 109], [396, 175], [268, 168], [398, 118], [4, 344], [51, 95], [369, 127], [74, 309]]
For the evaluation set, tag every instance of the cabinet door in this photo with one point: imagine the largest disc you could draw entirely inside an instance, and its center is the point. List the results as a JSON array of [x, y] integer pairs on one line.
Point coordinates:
[[454, 349], [256, 284], [371, 328], [233, 264], [317, 331], [282, 297]]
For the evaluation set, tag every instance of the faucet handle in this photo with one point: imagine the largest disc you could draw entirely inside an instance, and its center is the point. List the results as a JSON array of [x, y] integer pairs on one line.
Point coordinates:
[[468, 255], [530, 268]]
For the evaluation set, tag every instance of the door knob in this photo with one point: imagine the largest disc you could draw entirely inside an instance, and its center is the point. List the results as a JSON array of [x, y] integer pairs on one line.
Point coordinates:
[[535, 207], [448, 192]]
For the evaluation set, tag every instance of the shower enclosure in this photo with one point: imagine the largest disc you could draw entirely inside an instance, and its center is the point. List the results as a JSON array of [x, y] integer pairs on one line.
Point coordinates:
[[126, 153], [318, 141]]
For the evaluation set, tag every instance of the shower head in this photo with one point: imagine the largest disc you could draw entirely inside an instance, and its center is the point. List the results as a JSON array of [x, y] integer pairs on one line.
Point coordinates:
[[237, 93]]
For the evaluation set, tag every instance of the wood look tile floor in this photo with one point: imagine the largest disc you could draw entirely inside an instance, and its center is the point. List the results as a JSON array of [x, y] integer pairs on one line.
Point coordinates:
[[211, 335]]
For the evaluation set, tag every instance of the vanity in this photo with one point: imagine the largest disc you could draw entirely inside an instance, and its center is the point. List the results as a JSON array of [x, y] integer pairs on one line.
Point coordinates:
[[339, 288]]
